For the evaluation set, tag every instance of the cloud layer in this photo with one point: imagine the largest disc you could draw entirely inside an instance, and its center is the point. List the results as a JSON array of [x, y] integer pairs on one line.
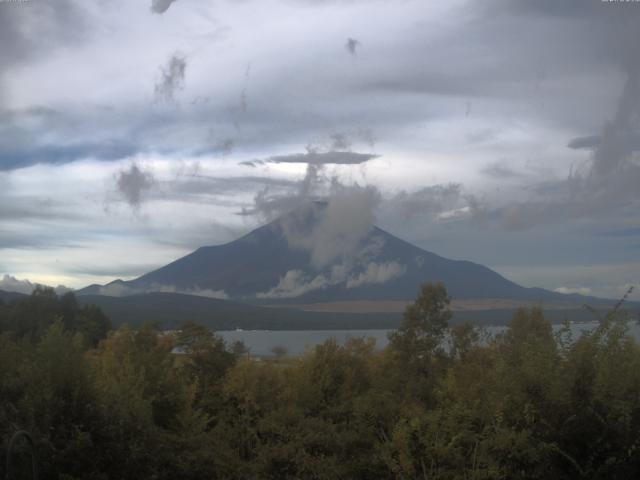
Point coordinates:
[[492, 132]]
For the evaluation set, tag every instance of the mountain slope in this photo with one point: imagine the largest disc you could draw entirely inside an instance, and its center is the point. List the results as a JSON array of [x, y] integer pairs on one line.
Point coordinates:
[[287, 261], [10, 296]]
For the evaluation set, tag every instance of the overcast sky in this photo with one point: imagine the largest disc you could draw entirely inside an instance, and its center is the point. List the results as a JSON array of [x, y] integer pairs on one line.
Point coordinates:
[[502, 132]]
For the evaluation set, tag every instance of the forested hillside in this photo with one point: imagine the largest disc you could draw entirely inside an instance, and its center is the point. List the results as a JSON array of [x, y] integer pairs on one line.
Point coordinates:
[[119, 404]]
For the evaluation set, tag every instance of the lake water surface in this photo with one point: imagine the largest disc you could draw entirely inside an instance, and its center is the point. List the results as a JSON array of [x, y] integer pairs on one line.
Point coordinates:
[[261, 342]]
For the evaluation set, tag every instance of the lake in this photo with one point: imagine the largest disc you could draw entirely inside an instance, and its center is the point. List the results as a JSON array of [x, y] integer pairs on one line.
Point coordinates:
[[261, 342]]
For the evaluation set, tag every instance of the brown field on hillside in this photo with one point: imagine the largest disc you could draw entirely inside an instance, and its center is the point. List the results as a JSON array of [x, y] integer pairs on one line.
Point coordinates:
[[396, 306]]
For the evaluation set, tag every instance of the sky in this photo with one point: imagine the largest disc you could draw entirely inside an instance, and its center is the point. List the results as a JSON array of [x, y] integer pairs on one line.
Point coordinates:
[[502, 132]]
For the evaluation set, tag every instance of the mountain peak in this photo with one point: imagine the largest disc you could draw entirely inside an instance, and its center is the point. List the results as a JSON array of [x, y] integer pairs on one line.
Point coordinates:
[[321, 252]]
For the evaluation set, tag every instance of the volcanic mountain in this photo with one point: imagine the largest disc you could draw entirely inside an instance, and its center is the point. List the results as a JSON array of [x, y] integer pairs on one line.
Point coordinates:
[[321, 253]]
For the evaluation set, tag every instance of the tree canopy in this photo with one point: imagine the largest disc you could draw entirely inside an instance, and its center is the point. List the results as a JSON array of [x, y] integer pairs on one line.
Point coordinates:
[[438, 402]]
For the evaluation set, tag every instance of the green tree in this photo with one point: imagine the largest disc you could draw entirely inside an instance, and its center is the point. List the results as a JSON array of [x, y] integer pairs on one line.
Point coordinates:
[[205, 358], [424, 325], [415, 356]]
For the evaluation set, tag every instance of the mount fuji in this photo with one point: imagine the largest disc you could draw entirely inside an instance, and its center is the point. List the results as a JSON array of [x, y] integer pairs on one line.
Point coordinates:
[[322, 253]]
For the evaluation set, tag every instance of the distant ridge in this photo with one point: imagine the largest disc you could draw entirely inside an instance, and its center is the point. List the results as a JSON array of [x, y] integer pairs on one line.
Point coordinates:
[[9, 296]]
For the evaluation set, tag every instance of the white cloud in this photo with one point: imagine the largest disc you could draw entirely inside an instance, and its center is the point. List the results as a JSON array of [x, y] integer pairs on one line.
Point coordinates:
[[9, 283], [118, 289], [376, 273], [339, 227], [579, 290], [294, 284]]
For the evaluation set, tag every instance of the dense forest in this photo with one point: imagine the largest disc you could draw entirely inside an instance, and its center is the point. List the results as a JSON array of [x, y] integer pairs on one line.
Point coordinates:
[[439, 402]]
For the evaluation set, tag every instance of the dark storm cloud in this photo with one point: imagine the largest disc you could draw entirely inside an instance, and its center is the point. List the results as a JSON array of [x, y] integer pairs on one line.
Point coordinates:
[[160, 6], [171, 78], [335, 157]]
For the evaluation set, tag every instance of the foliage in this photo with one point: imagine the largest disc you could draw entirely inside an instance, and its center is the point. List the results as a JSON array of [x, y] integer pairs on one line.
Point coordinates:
[[438, 402], [31, 317]]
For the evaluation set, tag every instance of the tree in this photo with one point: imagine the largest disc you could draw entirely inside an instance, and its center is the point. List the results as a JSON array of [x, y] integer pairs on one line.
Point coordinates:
[[463, 338], [206, 361], [279, 351], [239, 349], [92, 323], [423, 328], [32, 316]]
